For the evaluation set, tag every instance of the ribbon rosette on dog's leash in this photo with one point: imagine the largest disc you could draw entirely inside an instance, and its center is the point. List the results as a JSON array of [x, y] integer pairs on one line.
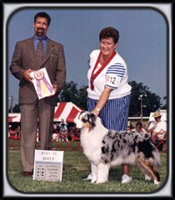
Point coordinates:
[[42, 83]]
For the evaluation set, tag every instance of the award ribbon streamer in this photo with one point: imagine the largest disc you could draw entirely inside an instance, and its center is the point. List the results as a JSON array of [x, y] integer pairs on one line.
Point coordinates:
[[39, 75]]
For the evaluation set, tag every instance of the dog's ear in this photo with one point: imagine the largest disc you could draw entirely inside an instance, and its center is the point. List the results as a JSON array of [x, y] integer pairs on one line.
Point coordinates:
[[92, 119], [92, 116], [80, 113]]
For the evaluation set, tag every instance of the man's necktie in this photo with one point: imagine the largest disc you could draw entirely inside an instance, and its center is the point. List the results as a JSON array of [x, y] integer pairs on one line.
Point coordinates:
[[39, 53]]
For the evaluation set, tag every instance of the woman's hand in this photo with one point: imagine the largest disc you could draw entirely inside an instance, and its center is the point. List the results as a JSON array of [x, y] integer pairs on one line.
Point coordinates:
[[95, 112]]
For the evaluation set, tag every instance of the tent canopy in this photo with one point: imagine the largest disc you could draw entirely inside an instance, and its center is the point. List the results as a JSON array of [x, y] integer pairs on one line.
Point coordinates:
[[14, 117], [66, 111]]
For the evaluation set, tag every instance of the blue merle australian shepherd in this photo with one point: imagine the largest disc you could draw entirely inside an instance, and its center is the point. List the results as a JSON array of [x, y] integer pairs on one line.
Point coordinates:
[[105, 148]]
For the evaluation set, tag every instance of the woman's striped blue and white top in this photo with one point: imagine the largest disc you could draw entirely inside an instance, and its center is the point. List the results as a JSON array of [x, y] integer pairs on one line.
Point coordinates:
[[114, 75]]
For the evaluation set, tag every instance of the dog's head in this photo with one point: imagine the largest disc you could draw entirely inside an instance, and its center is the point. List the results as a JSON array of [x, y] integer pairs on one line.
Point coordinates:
[[86, 120]]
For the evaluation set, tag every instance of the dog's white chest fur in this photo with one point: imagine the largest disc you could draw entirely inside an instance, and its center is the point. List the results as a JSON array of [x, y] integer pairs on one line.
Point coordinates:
[[91, 141]]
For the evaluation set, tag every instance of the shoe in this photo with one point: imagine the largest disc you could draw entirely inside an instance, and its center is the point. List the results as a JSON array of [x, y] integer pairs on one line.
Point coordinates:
[[89, 177], [27, 174], [126, 179]]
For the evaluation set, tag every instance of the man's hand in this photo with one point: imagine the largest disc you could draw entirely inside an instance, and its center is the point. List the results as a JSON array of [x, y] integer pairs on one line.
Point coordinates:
[[55, 89], [27, 75]]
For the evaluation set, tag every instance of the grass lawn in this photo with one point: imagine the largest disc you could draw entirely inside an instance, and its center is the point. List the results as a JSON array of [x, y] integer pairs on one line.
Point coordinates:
[[76, 167]]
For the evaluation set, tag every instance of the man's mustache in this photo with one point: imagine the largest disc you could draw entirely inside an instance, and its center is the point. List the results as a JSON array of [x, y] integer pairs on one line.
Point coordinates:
[[40, 29]]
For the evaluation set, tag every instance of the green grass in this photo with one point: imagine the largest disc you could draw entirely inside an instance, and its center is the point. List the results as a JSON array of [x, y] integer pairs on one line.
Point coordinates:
[[76, 167]]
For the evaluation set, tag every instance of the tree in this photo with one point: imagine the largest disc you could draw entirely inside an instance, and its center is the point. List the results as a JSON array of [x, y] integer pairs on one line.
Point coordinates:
[[150, 103], [82, 97], [16, 109], [78, 96], [165, 105], [71, 93]]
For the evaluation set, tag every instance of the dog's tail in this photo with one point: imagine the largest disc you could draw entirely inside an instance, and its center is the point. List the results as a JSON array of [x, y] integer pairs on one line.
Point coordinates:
[[156, 164], [156, 156]]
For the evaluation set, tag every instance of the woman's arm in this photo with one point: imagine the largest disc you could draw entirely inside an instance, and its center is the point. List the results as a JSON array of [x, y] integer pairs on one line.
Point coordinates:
[[102, 100]]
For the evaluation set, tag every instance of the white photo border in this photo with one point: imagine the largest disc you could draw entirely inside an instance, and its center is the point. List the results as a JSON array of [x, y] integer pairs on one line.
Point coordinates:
[[8, 10]]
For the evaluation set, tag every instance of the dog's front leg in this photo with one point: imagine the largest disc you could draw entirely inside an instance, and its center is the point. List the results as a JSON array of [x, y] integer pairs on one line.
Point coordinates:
[[93, 172], [103, 173]]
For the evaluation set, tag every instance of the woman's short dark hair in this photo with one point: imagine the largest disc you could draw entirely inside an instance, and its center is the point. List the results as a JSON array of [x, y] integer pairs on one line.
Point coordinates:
[[44, 15], [109, 32]]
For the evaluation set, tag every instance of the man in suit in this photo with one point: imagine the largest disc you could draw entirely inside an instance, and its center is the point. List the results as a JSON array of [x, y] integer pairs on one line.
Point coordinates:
[[25, 60]]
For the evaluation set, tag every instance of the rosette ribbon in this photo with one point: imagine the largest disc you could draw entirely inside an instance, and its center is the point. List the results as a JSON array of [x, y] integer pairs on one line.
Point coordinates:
[[39, 76]]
